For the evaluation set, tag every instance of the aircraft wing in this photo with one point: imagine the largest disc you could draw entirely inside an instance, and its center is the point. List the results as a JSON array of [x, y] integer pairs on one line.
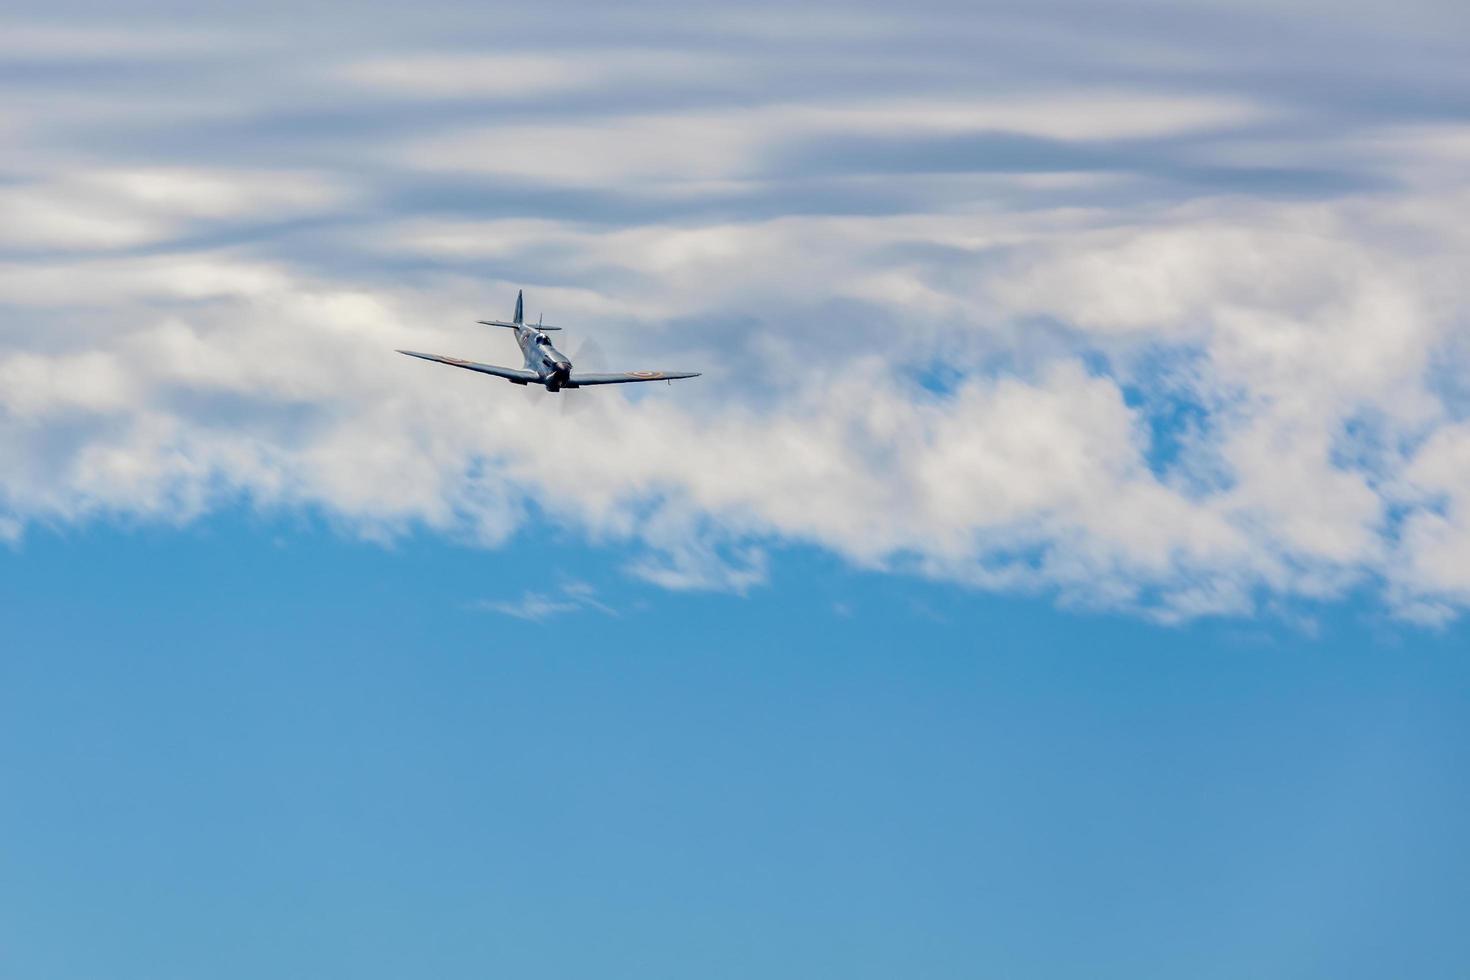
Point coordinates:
[[510, 374], [582, 380]]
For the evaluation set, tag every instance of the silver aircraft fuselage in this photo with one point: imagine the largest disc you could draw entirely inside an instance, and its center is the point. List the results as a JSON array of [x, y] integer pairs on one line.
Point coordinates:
[[549, 364]]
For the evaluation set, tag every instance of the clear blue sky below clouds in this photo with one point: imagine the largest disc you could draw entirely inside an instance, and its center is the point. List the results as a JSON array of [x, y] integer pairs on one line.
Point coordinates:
[[1057, 572], [243, 751]]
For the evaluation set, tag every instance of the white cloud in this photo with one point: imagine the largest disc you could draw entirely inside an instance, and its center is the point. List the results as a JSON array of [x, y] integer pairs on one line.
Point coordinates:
[[113, 208], [22, 41], [1049, 469], [533, 606], [684, 147], [517, 74], [1320, 443], [537, 607]]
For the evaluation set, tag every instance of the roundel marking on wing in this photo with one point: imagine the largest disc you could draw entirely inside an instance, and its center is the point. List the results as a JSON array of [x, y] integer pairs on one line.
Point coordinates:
[[646, 374]]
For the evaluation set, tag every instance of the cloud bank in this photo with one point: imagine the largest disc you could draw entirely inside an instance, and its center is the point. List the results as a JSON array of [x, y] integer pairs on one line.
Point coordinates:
[[1165, 316]]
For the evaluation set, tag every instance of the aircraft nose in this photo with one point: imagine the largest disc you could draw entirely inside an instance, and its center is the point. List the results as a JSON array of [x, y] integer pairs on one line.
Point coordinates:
[[565, 367]]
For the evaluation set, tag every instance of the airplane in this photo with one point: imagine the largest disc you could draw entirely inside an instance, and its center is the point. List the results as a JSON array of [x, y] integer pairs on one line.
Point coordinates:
[[545, 365]]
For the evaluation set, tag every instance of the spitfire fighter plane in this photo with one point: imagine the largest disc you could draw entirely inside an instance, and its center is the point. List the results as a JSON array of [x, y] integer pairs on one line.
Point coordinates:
[[545, 365]]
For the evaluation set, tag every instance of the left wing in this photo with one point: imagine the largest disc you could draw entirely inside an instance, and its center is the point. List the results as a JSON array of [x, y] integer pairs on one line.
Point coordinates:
[[582, 380]]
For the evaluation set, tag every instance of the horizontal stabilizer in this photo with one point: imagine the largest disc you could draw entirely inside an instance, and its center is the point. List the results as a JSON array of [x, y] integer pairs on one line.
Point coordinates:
[[502, 323]]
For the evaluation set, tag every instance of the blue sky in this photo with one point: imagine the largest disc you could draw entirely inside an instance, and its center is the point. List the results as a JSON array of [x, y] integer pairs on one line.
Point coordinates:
[[244, 751], [1059, 568]]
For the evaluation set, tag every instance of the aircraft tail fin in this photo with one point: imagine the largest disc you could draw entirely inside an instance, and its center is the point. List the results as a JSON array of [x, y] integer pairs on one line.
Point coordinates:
[[520, 316]]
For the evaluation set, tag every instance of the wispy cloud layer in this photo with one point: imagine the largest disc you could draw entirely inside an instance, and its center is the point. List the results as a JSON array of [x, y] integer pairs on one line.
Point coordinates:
[[540, 606], [1140, 322]]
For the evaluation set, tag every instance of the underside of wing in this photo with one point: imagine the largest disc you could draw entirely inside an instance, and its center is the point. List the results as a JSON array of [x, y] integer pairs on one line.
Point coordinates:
[[509, 374], [583, 380]]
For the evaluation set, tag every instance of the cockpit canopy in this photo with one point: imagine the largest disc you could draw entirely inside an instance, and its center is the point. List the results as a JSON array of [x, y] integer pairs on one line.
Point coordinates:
[[543, 340]]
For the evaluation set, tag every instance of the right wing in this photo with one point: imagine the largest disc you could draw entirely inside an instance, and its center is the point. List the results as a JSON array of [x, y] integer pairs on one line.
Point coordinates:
[[580, 380], [509, 374]]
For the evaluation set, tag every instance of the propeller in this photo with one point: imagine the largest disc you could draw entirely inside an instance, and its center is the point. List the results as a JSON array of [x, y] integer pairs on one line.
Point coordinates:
[[589, 359]]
